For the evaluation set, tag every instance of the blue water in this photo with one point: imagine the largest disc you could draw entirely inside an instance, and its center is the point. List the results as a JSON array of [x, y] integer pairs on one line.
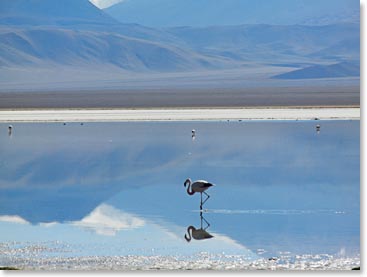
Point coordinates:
[[116, 189]]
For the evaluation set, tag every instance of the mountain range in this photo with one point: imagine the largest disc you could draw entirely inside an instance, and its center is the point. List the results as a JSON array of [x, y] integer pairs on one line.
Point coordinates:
[[48, 34]]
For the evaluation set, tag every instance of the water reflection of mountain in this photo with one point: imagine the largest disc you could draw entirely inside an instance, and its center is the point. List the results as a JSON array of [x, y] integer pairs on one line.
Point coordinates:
[[56, 173], [54, 204], [169, 207]]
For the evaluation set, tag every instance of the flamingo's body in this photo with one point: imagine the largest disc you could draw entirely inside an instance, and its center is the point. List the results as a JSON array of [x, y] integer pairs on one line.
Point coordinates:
[[198, 186]]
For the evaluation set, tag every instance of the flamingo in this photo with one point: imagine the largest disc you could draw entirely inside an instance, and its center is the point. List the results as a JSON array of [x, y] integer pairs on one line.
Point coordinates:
[[198, 186]]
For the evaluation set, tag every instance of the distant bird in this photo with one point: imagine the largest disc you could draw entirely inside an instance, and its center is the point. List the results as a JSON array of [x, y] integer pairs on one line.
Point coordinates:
[[10, 130], [193, 134], [318, 128], [198, 186]]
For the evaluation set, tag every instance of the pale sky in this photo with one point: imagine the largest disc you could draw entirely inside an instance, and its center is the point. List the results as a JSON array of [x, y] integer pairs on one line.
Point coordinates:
[[104, 3]]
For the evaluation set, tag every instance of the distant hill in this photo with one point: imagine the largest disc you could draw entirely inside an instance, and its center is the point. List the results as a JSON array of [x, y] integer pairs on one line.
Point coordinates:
[[76, 33], [203, 13], [262, 42], [44, 47], [344, 49], [342, 69]]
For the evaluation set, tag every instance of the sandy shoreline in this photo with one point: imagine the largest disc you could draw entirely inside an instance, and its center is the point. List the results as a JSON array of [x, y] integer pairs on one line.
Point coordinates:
[[215, 114]]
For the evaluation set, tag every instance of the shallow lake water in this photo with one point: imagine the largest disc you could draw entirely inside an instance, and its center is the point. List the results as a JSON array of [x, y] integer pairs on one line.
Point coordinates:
[[112, 195]]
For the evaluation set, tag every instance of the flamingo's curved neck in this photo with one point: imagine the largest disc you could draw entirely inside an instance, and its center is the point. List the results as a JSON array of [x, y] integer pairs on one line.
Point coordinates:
[[189, 188], [190, 192]]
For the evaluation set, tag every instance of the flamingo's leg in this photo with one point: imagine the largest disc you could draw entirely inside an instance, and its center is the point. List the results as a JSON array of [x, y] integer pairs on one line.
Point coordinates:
[[203, 218], [202, 203]]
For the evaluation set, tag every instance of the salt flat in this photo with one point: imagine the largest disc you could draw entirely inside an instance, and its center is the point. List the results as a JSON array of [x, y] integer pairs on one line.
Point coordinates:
[[120, 115]]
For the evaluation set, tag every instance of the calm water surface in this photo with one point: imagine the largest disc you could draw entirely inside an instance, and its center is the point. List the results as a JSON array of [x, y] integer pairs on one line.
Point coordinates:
[[77, 196]]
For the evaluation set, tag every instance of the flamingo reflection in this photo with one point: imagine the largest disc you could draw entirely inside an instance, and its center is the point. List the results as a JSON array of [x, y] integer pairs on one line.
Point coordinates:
[[198, 234]]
